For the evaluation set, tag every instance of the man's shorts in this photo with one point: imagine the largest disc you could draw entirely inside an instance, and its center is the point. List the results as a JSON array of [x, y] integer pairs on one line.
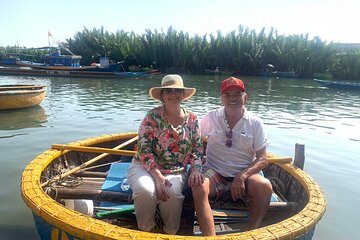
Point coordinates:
[[222, 184]]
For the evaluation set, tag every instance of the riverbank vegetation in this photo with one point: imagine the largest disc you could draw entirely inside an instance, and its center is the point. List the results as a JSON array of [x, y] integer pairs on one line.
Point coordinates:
[[241, 52]]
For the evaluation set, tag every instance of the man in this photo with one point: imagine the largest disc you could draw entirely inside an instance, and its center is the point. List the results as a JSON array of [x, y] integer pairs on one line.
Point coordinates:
[[235, 155]]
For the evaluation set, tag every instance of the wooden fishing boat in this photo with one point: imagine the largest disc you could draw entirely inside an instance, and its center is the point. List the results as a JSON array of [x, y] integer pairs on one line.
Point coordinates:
[[71, 73], [21, 96], [74, 194], [137, 74], [339, 84], [216, 71], [59, 65], [60, 62], [55, 73], [92, 68]]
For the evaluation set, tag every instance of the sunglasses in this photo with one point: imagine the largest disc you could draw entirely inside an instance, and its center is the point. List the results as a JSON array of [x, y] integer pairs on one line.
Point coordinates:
[[171, 90], [229, 136]]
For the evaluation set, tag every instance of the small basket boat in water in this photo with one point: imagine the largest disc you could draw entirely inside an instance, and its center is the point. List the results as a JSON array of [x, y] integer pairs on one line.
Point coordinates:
[[21, 96], [74, 194], [339, 84]]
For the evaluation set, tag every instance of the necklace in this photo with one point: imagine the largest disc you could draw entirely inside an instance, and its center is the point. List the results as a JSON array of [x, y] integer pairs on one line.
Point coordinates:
[[180, 128], [229, 132]]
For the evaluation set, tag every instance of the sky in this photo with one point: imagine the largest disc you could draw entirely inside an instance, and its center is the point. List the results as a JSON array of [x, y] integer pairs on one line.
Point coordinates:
[[26, 23]]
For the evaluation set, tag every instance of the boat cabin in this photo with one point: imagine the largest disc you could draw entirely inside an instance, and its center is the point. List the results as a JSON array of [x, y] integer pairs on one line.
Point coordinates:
[[9, 59], [57, 59]]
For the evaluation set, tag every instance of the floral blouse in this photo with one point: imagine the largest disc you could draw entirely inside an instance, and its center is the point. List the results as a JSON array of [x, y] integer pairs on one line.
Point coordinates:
[[162, 146]]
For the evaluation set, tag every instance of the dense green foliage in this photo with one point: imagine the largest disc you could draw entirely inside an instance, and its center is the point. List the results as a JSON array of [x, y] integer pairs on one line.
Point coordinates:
[[242, 52]]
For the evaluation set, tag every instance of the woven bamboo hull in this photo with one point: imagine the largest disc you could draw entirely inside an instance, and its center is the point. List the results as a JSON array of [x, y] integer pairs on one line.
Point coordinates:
[[17, 96], [55, 221]]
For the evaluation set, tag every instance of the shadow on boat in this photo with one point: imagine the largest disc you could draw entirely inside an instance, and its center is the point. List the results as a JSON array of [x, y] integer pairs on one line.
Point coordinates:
[[16, 119]]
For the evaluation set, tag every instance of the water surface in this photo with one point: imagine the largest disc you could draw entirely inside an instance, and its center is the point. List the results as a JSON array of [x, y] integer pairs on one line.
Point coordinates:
[[294, 111]]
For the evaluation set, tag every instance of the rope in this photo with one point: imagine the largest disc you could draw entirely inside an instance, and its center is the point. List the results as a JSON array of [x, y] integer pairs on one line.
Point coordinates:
[[100, 165], [68, 182]]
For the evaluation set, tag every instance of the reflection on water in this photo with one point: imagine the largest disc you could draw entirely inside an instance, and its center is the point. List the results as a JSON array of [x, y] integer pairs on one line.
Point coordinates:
[[13, 232], [292, 104], [293, 110], [22, 118]]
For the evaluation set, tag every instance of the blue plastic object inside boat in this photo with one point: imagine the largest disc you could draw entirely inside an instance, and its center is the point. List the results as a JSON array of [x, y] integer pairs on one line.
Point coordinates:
[[116, 179]]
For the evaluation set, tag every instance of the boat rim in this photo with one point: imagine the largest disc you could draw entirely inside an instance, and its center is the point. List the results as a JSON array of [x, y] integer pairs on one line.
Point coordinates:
[[85, 227], [25, 91]]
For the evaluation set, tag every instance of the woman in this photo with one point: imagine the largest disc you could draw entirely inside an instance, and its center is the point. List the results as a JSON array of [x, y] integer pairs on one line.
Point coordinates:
[[169, 140]]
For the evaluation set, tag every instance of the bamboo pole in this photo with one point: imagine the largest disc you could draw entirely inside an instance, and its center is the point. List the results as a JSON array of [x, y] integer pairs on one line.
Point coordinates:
[[93, 149], [91, 161], [280, 160], [106, 151], [132, 153]]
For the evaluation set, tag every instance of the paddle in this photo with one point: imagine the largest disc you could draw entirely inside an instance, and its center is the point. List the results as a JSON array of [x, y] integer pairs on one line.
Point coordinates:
[[111, 211], [84, 165]]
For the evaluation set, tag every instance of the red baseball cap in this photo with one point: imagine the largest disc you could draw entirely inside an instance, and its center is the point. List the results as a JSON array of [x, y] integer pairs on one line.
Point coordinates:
[[232, 82]]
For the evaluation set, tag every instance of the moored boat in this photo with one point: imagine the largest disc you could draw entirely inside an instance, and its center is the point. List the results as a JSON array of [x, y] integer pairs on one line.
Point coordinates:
[[66, 186], [60, 65], [54, 73], [216, 71], [70, 73], [58, 62], [21, 96], [61, 62], [137, 74], [94, 67], [339, 84]]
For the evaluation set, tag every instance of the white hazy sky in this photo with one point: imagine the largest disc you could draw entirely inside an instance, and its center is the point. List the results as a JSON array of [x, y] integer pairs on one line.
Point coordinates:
[[26, 23]]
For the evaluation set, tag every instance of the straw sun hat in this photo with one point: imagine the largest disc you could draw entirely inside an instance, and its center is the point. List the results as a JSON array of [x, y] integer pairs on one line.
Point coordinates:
[[171, 81]]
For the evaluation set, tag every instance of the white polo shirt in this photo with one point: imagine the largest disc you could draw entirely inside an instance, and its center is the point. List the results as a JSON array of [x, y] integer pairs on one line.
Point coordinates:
[[248, 136]]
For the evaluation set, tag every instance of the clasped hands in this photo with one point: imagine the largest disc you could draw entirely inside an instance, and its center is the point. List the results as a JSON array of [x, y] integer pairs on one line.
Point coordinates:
[[195, 179]]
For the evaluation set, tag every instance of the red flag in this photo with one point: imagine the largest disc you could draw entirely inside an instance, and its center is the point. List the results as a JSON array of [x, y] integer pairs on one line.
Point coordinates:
[[49, 34]]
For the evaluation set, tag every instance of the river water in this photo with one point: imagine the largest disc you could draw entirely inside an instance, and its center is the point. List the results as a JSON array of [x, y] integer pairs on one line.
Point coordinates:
[[294, 111]]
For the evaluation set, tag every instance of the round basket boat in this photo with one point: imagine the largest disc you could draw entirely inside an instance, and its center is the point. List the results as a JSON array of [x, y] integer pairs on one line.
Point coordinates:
[[56, 221], [21, 96]]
